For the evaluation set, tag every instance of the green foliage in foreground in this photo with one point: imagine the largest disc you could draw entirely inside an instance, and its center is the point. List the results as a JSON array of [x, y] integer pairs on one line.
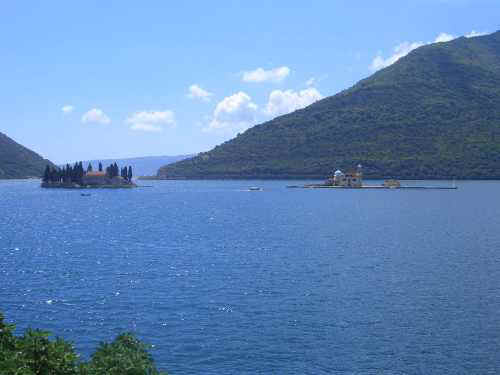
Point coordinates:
[[35, 354]]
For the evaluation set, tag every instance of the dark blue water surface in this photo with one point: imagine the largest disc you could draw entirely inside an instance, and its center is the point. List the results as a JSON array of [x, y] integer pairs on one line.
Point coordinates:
[[289, 281]]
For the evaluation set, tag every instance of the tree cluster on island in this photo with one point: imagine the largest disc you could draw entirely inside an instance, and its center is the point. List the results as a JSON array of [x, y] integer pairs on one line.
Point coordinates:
[[74, 174], [112, 171]]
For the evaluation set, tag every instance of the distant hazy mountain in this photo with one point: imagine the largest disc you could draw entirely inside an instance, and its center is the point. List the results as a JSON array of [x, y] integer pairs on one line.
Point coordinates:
[[143, 166], [433, 114], [17, 161]]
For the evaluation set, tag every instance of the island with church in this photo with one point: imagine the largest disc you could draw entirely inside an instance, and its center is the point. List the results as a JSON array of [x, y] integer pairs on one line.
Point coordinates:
[[76, 177], [353, 179]]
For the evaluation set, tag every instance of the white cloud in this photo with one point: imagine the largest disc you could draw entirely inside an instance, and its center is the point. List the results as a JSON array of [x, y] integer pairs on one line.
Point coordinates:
[[238, 112], [282, 102], [151, 121], [400, 50], [67, 109], [474, 33], [97, 116], [443, 37], [147, 127], [311, 81], [196, 91], [260, 75], [234, 113], [405, 48]]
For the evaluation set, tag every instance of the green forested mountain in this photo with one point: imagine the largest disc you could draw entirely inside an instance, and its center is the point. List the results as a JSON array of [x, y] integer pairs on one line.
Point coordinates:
[[17, 161], [433, 114]]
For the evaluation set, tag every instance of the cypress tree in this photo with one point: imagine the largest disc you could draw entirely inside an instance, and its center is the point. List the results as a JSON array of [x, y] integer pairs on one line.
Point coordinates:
[[46, 174], [81, 172], [89, 168], [53, 175], [74, 174], [69, 173], [129, 173], [100, 167]]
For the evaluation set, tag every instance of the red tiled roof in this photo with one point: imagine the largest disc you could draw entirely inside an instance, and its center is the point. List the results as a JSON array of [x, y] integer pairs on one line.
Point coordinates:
[[95, 173]]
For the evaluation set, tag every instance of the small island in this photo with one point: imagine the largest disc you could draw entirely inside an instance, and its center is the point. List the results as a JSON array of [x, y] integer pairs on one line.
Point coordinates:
[[75, 177], [353, 179]]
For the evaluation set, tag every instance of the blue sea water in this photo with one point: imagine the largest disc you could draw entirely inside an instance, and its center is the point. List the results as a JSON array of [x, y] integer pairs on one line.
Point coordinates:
[[283, 281]]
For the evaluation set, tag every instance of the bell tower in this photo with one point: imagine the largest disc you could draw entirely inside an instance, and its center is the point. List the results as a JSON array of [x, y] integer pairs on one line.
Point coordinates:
[[359, 171]]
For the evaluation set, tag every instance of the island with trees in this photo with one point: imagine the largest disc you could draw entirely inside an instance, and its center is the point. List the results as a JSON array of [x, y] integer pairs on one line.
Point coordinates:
[[76, 177]]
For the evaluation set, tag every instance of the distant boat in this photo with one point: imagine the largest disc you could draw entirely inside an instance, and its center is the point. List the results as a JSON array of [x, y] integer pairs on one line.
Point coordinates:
[[255, 188], [85, 195]]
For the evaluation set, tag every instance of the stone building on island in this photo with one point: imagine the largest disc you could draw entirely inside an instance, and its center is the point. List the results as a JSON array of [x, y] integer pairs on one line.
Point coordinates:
[[100, 178], [351, 179]]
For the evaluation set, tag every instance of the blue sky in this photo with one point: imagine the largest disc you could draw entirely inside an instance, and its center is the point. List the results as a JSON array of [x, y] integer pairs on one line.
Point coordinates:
[[104, 79]]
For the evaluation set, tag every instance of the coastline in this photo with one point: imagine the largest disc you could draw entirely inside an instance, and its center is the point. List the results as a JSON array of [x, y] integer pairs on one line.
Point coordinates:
[[46, 185], [308, 178], [273, 178]]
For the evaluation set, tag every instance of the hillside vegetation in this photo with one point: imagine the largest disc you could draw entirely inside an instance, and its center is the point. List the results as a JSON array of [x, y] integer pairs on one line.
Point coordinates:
[[17, 161], [433, 114]]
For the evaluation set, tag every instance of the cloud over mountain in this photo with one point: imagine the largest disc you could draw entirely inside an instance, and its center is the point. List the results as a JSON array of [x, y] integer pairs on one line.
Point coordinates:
[[234, 113], [282, 102], [405, 48]]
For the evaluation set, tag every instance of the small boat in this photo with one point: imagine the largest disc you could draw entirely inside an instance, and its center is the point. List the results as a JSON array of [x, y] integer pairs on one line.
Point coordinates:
[[85, 194], [255, 188]]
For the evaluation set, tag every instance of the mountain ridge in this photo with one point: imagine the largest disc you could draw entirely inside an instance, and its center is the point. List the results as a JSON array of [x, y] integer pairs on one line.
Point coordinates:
[[17, 161], [435, 113]]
